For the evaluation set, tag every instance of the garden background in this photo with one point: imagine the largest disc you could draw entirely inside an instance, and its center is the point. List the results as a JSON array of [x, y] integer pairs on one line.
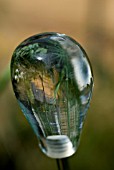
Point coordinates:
[[91, 23]]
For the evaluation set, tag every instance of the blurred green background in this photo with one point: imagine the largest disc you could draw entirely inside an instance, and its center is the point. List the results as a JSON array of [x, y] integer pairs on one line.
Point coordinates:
[[91, 23]]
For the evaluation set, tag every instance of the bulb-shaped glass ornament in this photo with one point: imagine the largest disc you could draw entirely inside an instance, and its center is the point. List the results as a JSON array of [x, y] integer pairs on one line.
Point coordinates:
[[53, 81]]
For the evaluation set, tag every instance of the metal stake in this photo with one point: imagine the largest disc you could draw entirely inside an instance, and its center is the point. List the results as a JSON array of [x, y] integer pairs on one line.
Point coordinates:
[[63, 164]]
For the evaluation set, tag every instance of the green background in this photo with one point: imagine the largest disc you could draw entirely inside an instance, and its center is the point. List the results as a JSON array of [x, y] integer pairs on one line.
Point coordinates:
[[91, 23]]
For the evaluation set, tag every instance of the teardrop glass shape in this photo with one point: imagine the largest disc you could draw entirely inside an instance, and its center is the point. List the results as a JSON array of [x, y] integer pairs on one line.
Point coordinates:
[[53, 81]]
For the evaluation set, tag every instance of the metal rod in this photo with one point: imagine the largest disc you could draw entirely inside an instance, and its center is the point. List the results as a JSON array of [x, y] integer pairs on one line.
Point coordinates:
[[63, 164]]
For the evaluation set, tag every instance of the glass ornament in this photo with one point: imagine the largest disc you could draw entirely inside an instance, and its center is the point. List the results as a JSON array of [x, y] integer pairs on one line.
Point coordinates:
[[53, 82]]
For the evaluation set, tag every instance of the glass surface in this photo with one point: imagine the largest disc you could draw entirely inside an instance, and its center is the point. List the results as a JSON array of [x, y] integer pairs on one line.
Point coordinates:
[[52, 80]]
